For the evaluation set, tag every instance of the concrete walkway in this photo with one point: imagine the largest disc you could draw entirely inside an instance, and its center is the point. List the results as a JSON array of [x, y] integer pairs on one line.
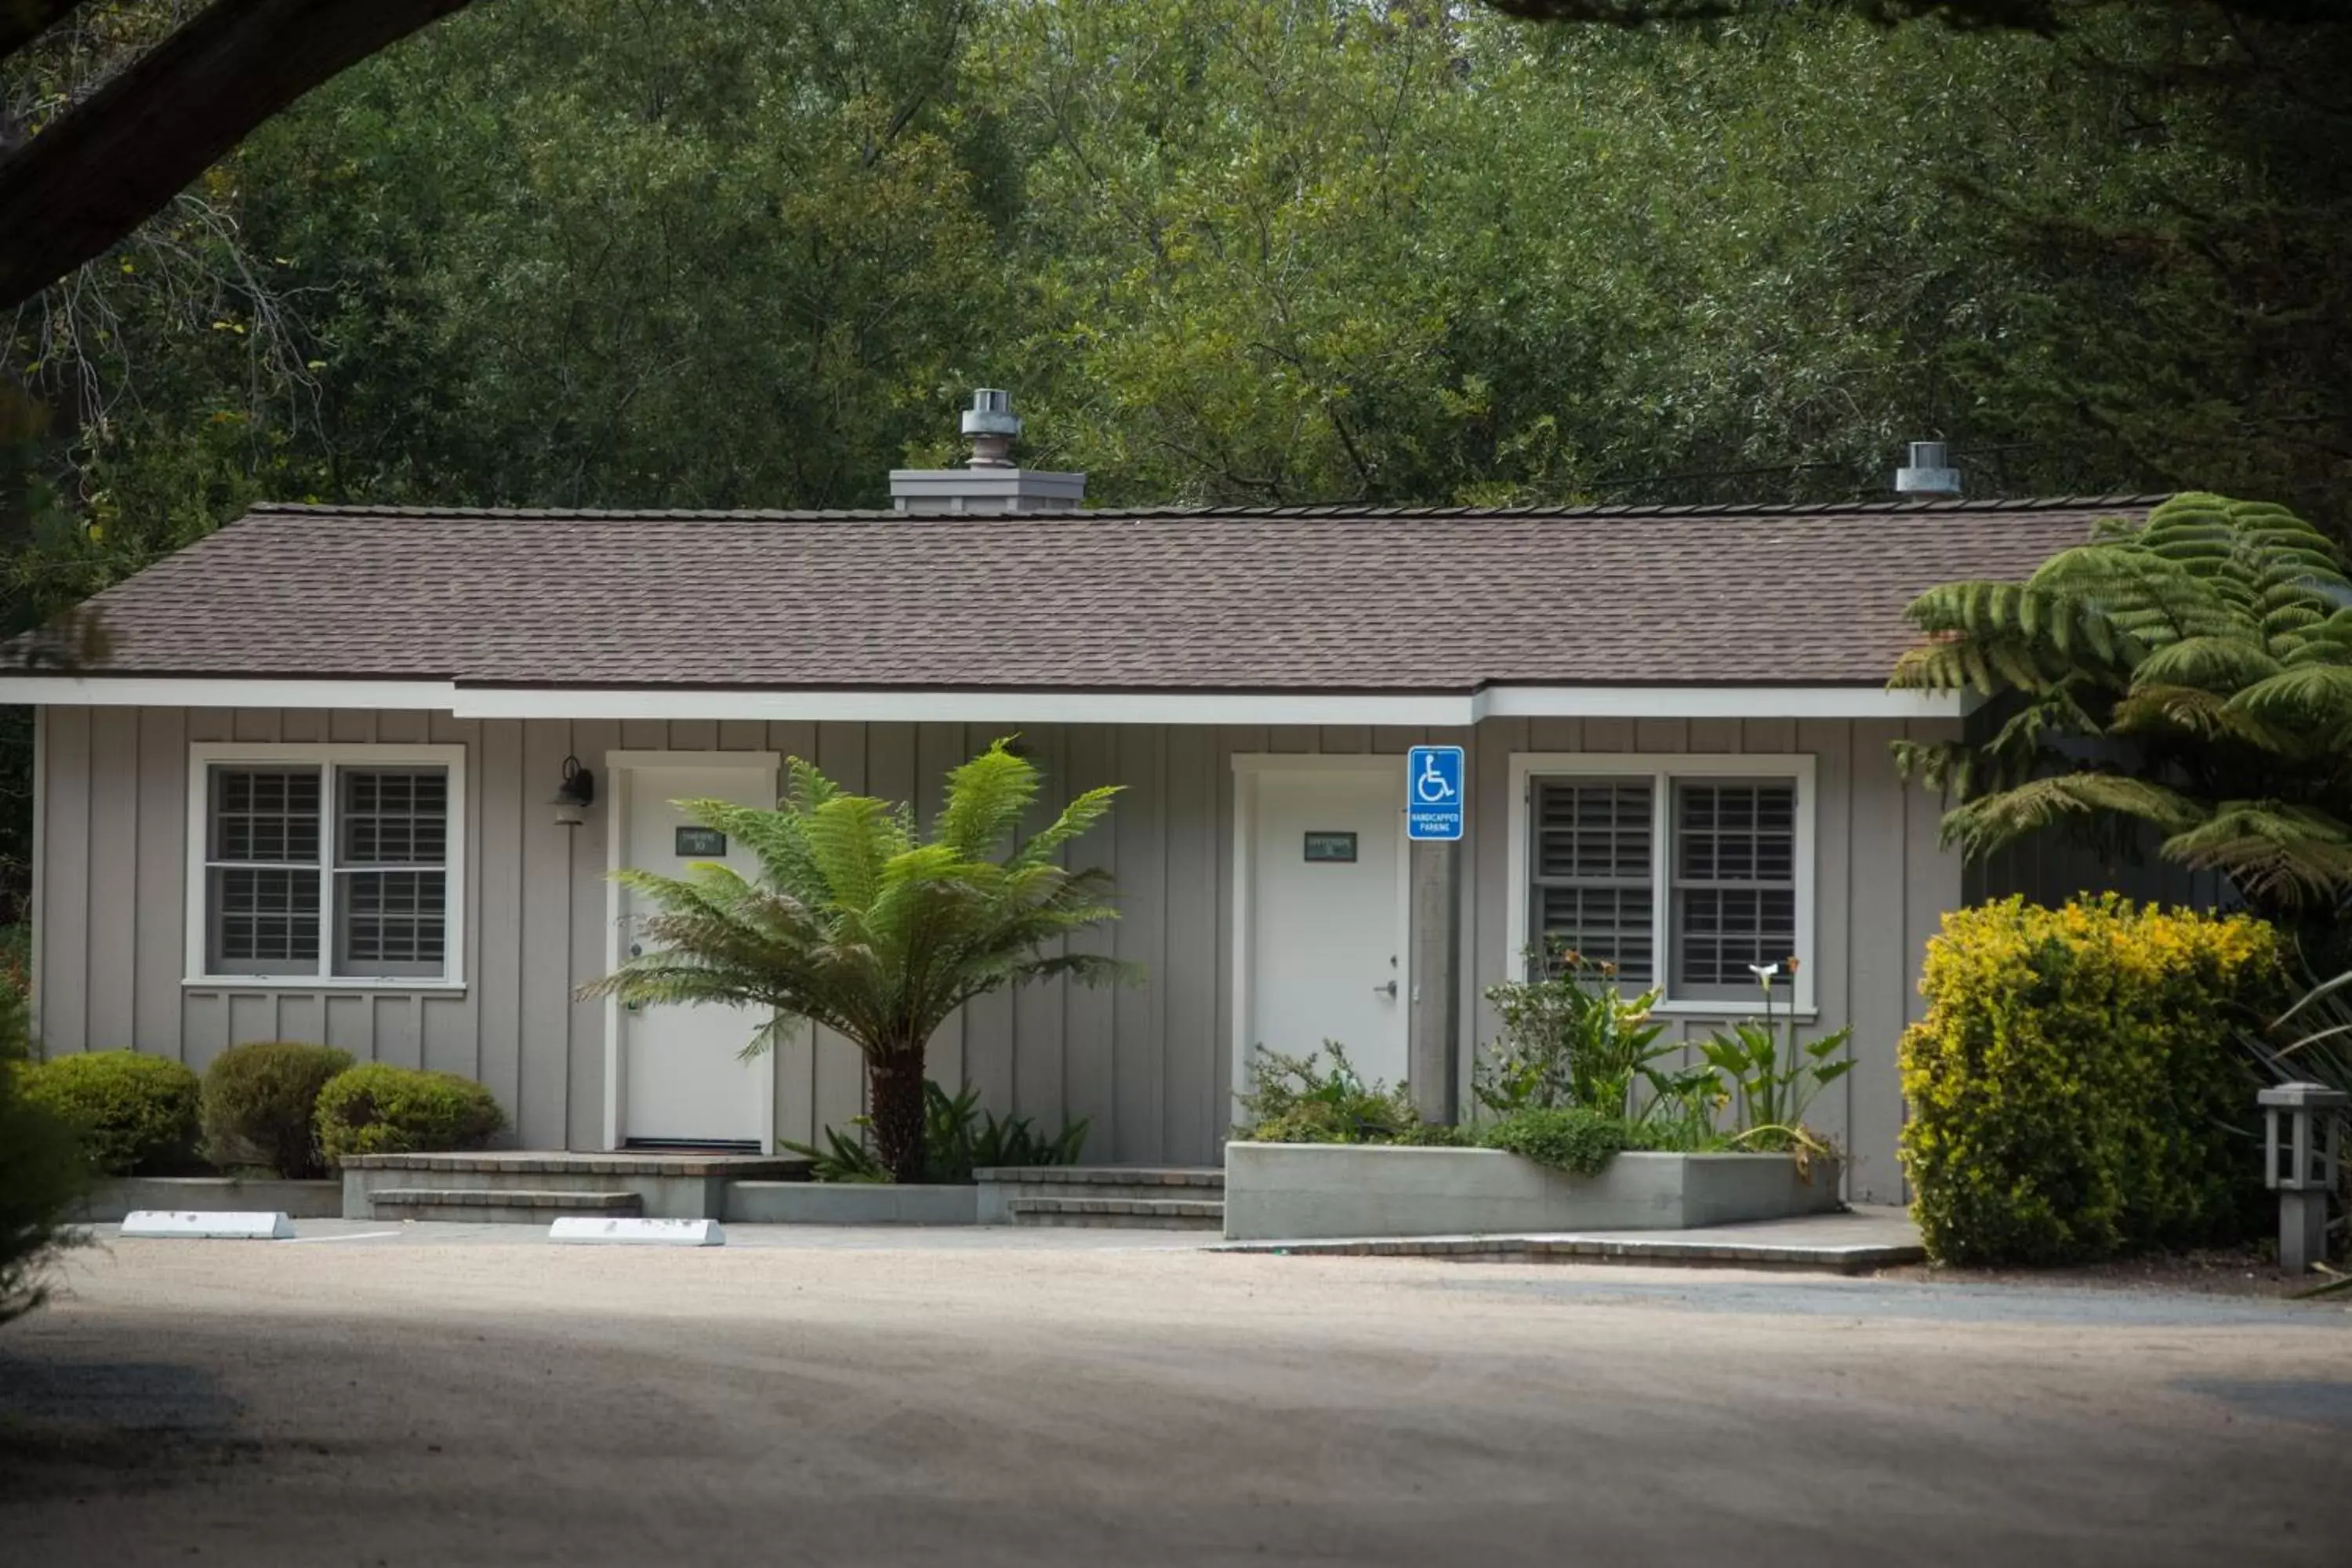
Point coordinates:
[[1857, 1241]]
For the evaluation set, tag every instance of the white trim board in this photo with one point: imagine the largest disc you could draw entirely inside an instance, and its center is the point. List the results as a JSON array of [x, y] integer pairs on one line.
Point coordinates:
[[202, 757], [1664, 767], [1154, 706]]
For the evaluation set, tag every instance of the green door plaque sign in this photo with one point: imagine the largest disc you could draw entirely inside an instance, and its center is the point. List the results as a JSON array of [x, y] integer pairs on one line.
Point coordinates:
[[1331, 848], [701, 843]]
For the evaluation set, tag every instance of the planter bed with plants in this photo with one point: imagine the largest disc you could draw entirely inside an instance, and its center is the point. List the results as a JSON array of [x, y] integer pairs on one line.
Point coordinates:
[[1583, 1125]]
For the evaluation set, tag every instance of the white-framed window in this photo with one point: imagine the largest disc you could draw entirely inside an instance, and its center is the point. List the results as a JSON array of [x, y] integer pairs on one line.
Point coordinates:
[[338, 866], [1682, 871]]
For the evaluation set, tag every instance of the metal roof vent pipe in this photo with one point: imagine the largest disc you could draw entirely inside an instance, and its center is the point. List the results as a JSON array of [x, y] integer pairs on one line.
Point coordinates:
[[991, 481], [990, 424], [1929, 475]]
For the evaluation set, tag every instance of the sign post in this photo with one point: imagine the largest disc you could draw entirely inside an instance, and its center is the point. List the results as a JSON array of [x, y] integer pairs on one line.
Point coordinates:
[[1434, 814]]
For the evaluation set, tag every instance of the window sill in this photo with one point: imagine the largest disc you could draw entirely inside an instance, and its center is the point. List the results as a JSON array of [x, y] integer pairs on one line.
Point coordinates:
[[1732, 1012], [432, 987]]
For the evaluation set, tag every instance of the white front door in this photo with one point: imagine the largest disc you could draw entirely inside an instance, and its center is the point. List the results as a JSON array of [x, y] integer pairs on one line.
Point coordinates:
[[1326, 924], [683, 1077]]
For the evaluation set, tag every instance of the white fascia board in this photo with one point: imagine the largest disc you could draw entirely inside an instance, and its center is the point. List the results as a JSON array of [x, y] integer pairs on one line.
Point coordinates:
[[64, 690], [1408, 711], [964, 707]]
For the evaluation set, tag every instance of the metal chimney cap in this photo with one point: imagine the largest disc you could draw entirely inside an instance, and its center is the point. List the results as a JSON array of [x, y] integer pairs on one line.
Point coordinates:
[[992, 413], [1928, 473]]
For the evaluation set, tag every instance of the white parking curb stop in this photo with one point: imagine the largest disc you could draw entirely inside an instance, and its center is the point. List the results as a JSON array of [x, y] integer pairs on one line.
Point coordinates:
[[584, 1229], [202, 1225]]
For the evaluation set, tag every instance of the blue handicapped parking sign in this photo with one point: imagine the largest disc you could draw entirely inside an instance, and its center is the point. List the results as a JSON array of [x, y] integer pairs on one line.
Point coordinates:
[[1432, 794]]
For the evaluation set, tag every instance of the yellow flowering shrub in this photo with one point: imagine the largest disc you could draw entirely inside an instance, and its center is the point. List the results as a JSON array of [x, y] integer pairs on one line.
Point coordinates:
[[2074, 1091]]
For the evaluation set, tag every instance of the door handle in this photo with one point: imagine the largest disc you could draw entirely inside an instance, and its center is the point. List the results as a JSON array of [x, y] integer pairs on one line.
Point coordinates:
[[1391, 988]]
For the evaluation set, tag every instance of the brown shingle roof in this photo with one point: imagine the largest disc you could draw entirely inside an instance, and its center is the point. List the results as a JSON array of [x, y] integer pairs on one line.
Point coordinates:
[[1289, 599]]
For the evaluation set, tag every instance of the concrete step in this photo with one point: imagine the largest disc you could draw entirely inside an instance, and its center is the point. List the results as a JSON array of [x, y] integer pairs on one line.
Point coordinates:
[[494, 1206], [1120, 1212], [1002, 1183]]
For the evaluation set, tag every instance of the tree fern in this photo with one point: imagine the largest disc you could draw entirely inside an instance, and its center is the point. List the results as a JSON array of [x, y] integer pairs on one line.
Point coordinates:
[[2208, 647], [856, 924]]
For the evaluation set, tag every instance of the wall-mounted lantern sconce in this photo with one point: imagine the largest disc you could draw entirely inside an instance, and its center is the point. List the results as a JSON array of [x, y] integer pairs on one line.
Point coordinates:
[[2300, 1155], [575, 794]]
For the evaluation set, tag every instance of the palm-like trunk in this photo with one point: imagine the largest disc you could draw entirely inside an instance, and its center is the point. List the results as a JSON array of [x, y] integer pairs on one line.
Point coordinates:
[[895, 1075]]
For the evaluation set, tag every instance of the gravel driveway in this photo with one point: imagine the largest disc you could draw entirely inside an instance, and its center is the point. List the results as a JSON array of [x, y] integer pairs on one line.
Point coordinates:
[[845, 1397]]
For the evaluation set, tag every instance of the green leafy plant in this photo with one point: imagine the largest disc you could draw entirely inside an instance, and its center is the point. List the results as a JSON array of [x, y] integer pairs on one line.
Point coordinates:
[[1570, 1036], [2076, 1088], [859, 923], [1291, 1099], [1576, 1139], [135, 1114], [260, 1105], [959, 1138], [43, 1174], [843, 1156], [1772, 1080], [379, 1109], [2312, 1040], [2208, 650]]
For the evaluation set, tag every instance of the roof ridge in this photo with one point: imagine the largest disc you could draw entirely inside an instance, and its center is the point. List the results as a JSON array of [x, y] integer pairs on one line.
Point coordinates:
[[1316, 511]]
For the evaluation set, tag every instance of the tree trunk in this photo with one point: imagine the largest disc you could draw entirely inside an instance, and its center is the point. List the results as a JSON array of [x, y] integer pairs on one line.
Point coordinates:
[[113, 161], [895, 1076]]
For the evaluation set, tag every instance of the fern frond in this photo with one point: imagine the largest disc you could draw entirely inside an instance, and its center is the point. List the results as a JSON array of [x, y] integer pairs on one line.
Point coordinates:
[[1994, 821], [2288, 856]]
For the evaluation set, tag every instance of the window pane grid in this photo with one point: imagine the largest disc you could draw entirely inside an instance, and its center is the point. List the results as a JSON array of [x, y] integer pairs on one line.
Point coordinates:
[[268, 815], [1592, 873], [267, 876], [391, 920], [1735, 901], [266, 918]]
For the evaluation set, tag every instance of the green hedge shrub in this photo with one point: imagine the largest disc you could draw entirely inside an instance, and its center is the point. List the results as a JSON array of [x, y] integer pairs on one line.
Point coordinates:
[[135, 1114], [2075, 1087], [381, 1109], [261, 1103]]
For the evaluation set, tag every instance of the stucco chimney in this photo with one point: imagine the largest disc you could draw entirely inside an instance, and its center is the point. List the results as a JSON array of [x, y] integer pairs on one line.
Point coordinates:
[[991, 481]]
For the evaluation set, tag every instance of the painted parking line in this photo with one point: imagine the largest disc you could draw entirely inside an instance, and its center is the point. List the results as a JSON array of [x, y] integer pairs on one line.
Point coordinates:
[[355, 1236]]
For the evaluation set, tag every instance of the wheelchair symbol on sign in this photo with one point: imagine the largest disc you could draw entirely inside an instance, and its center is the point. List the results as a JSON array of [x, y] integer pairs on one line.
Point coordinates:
[[1431, 787]]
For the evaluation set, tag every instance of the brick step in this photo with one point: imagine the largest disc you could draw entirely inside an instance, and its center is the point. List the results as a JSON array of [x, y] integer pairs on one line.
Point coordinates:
[[1121, 1213], [1099, 1175], [494, 1206]]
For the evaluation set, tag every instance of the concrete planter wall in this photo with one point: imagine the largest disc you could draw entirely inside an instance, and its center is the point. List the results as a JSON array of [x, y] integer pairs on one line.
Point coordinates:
[[1299, 1192], [110, 1200], [849, 1203]]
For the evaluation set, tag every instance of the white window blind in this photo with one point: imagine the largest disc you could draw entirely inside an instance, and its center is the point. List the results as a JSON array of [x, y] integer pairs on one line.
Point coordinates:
[[1593, 889], [1735, 883]]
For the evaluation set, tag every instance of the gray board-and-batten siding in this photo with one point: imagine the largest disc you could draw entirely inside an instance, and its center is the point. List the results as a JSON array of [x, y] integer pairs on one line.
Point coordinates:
[[1149, 1067]]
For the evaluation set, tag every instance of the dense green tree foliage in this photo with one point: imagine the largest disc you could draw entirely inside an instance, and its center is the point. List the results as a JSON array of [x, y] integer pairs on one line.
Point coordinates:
[[578, 252]]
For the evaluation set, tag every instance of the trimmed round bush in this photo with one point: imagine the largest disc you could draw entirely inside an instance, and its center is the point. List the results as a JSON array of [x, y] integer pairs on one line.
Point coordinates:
[[381, 1109], [135, 1115], [1576, 1139], [261, 1105], [2075, 1087]]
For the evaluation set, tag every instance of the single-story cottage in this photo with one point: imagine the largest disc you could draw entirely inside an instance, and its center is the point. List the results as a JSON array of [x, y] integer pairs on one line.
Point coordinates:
[[359, 774]]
